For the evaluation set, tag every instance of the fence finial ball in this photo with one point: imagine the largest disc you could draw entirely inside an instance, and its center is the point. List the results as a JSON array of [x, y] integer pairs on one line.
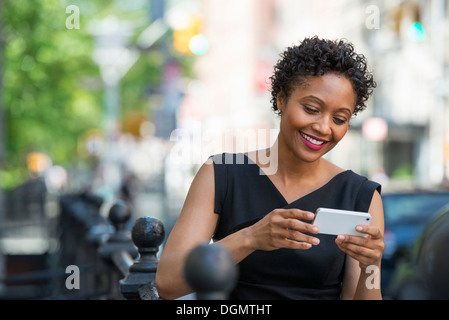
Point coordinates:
[[210, 271], [119, 213], [148, 232]]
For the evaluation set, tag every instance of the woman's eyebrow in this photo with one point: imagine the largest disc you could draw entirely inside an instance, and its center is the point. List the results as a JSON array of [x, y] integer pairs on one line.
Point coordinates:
[[345, 109], [314, 98]]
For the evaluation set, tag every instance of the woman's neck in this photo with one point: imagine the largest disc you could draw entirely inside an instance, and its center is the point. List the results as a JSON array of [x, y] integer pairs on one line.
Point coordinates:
[[291, 165], [285, 164]]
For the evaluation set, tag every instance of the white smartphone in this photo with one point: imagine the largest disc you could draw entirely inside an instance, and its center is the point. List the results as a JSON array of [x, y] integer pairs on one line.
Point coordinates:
[[335, 222]]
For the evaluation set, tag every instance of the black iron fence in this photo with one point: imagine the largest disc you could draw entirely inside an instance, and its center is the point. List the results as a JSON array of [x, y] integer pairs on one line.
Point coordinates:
[[97, 257]]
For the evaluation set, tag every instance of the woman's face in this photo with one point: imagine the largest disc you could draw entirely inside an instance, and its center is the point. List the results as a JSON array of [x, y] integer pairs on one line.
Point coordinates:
[[316, 115]]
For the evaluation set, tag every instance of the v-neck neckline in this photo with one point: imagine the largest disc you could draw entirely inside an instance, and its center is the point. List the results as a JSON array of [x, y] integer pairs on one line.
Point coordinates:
[[262, 173]]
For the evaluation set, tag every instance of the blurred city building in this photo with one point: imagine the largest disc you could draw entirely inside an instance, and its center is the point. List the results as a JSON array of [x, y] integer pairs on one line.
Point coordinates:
[[410, 59], [402, 137]]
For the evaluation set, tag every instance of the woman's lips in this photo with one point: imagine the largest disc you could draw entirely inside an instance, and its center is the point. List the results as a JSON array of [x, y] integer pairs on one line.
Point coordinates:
[[312, 142]]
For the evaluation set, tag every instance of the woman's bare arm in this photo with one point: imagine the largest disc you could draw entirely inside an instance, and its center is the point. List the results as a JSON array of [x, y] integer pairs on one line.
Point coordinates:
[[196, 224]]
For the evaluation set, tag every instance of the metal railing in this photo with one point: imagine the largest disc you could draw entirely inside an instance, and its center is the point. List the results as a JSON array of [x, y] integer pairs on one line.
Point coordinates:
[[114, 261]]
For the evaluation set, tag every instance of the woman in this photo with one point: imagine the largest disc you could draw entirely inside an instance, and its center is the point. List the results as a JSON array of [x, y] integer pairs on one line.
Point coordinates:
[[265, 220]]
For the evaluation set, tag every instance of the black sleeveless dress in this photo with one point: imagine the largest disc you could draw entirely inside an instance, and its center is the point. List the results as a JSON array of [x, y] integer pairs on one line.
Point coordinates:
[[243, 196]]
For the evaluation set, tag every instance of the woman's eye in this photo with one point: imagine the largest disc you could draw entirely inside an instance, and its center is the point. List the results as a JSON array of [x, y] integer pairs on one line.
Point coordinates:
[[339, 120], [310, 110]]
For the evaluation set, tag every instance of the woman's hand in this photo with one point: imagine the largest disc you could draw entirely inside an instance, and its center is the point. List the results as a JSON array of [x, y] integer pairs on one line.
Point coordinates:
[[367, 250], [283, 228]]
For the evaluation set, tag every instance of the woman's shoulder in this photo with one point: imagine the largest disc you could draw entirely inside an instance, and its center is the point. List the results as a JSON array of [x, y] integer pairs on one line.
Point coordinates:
[[363, 183], [227, 158], [251, 157], [229, 164], [363, 179], [357, 180]]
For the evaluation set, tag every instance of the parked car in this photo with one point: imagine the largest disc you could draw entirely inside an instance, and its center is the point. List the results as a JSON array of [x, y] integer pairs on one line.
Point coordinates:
[[424, 274], [406, 215]]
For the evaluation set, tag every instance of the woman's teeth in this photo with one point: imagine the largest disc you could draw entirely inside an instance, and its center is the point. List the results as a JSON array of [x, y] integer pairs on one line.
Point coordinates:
[[311, 140]]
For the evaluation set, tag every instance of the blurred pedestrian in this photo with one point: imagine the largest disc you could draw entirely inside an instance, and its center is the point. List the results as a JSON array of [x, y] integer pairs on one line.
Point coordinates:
[[262, 218]]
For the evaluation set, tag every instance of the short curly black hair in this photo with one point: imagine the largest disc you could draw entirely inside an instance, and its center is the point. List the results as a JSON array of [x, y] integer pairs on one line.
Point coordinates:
[[316, 57]]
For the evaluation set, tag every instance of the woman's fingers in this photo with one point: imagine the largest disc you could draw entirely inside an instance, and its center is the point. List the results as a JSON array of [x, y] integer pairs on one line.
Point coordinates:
[[296, 229], [364, 256], [286, 228], [301, 237], [292, 244], [372, 231], [291, 219], [295, 224], [296, 214], [366, 249]]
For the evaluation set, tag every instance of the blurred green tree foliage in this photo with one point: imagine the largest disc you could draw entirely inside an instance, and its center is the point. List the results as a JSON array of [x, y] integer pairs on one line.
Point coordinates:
[[52, 91]]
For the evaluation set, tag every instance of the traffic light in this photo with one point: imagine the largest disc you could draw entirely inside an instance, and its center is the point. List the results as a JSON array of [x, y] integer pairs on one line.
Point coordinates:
[[407, 19], [189, 39], [416, 32]]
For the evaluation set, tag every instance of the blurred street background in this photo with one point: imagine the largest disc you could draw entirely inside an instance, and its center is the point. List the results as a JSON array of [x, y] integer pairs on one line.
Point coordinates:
[[126, 99]]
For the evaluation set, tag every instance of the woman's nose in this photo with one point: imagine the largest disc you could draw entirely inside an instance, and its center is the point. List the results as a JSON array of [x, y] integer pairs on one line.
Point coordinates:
[[322, 126]]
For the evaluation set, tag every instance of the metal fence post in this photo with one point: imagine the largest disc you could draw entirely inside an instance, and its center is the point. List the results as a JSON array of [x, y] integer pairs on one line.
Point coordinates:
[[118, 250], [147, 234], [211, 272], [120, 240]]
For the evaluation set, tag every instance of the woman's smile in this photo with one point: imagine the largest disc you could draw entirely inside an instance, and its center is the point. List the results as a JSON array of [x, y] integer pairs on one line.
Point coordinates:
[[312, 142]]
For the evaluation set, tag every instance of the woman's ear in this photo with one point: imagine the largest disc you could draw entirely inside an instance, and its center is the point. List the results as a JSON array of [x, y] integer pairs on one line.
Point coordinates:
[[280, 102]]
